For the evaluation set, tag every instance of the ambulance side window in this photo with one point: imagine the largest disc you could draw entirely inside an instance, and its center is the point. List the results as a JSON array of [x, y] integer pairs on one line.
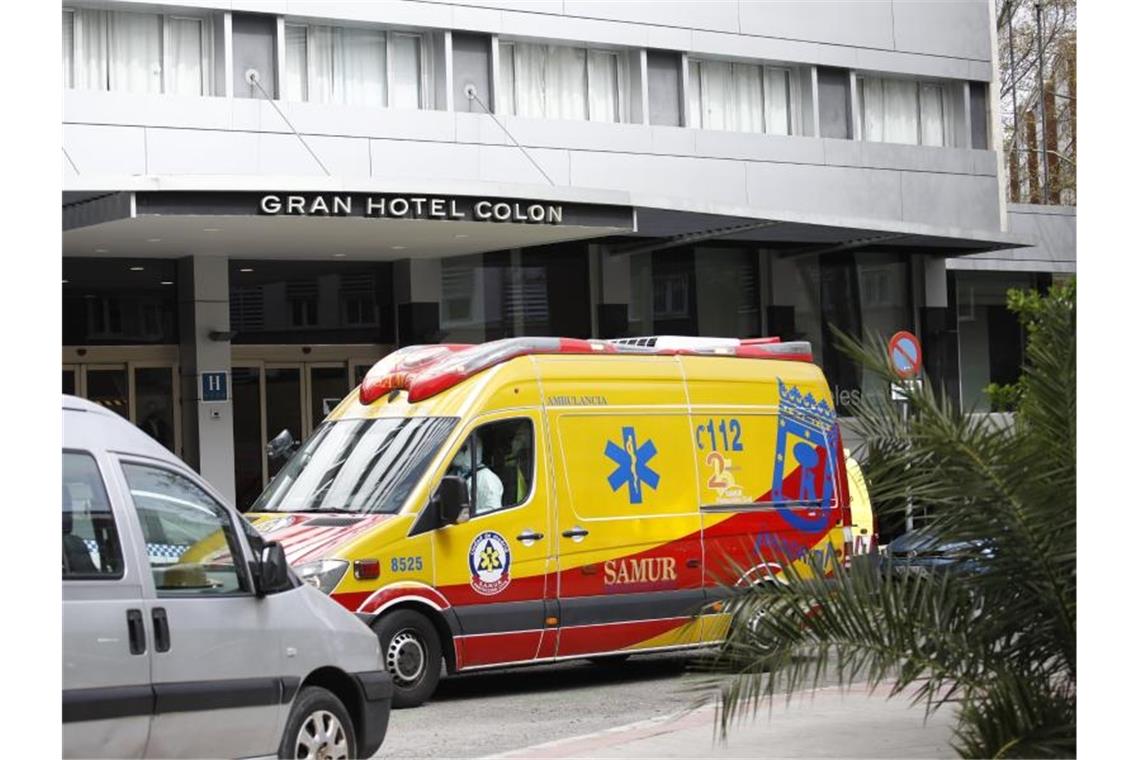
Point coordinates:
[[497, 462]]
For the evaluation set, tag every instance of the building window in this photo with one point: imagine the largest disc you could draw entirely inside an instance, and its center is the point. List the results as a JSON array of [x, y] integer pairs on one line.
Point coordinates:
[[710, 291], [358, 299], [68, 48], [302, 298], [671, 296], [543, 290], [137, 52], [742, 97], [460, 284], [355, 66], [561, 82], [865, 295], [902, 111], [119, 301], [293, 302], [991, 341]]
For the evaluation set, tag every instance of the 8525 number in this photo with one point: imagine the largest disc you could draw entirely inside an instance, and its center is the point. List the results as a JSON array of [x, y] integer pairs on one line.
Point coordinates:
[[407, 564]]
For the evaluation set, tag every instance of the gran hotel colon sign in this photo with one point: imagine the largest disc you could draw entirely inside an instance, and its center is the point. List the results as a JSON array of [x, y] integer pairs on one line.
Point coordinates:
[[441, 208]]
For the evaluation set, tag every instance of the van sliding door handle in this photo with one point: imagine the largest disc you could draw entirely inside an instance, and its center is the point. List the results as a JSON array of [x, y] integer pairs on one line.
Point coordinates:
[[136, 634], [576, 533], [161, 630], [528, 535]]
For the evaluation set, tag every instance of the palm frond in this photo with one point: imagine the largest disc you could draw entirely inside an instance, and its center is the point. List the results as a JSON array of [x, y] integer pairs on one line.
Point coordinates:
[[998, 645]]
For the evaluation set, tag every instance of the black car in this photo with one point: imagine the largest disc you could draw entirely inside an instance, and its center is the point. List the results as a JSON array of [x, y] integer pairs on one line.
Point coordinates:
[[919, 551]]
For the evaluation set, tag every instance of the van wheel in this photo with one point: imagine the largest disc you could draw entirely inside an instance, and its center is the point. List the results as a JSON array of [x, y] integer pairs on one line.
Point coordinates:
[[318, 727], [412, 655], [608, 659]]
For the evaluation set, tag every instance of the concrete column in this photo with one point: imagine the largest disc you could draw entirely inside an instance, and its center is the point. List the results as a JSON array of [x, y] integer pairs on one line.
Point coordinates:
[[417, 289], [938, 326], [934, 271], [780, 311], [208, 426], [611, 310]]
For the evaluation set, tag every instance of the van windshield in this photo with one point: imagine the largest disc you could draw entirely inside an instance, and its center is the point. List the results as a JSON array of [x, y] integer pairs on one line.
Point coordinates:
[[357, 466]]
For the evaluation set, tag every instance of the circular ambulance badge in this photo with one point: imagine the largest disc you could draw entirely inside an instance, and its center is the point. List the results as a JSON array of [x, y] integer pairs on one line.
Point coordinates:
[[490, 561]]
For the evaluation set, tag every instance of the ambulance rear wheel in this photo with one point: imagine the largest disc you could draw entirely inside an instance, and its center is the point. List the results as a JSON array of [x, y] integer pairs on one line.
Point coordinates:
[[609, 659], [412, 655]]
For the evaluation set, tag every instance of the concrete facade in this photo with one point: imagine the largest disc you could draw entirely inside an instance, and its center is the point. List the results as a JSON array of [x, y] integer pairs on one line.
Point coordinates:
[[1053, 230], [780, 198], [113, 136]]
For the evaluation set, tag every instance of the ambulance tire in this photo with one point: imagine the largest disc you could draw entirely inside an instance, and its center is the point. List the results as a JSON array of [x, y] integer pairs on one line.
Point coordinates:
[[608, 659], [312, 730], [412, 654]]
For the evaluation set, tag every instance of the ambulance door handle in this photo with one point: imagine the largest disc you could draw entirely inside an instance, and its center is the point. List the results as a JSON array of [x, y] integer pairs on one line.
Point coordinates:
[[528, 536], [576, 533]]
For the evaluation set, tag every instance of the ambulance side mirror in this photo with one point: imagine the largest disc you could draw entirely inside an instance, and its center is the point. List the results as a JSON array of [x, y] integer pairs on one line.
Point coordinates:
[[281, 446], [450, 499]]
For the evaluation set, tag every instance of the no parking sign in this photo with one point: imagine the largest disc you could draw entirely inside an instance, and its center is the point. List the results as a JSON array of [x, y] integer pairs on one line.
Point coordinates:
[[905, 353]]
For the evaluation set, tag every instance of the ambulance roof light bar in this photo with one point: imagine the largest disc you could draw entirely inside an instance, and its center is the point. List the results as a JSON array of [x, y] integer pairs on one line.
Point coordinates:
[[425, 370]]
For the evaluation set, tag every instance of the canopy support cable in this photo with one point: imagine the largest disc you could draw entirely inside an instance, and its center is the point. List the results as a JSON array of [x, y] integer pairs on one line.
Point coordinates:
[[471, 93], [254, 78]]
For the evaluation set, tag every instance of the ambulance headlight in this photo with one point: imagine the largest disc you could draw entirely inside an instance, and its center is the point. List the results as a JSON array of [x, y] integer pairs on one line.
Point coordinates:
[[322, 575]]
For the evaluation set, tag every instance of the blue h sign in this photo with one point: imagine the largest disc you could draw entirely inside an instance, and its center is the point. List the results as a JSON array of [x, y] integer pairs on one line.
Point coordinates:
[[215, 386]]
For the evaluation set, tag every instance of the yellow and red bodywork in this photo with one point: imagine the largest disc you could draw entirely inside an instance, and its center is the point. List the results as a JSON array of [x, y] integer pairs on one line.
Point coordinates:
[[687, 473]]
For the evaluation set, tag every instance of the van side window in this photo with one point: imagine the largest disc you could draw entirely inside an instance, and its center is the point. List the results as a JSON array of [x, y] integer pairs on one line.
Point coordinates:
[[90, 540], [191, 541], [497, 461]]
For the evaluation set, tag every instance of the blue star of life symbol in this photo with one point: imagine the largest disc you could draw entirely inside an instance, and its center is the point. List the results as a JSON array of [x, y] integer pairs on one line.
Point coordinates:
[[632, 464]]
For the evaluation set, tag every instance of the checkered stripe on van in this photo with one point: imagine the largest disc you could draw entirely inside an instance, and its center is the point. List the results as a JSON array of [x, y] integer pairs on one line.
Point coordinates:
[[159, 554]]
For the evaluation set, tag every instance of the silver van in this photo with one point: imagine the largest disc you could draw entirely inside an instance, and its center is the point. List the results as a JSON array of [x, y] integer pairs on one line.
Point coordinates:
[[185, 634]]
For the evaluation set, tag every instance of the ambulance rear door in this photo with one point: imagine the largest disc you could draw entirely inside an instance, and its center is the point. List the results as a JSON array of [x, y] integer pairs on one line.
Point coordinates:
[[764, 438]]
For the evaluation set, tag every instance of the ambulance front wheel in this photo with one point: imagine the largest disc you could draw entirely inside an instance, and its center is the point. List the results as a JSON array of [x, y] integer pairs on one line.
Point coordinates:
[[412, 655]]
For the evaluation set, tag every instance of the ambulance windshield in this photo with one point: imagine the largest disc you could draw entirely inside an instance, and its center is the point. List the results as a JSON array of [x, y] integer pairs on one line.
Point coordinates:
[[361, 466]]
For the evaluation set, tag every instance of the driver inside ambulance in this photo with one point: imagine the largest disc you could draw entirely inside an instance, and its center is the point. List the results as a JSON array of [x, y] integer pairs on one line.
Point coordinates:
[[488, 494]]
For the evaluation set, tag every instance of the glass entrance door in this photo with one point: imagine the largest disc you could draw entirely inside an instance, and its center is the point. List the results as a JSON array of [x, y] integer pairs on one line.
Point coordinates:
[[284, 402], [328, 384], [152, 403], [272, 396], [107, 387], [250, 467], [70, 383], [144, 392]]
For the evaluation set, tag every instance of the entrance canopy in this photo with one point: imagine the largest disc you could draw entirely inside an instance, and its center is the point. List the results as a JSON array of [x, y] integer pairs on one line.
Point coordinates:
[[251, 224], [282, 225]]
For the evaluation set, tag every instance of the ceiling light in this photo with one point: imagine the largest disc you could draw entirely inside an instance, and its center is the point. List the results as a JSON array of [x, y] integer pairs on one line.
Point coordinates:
[[100, 250], [136, 269], [154, 240], [339, 255], [167, 282], [462, 235], [211, 229], [399, 247], [247, 270]]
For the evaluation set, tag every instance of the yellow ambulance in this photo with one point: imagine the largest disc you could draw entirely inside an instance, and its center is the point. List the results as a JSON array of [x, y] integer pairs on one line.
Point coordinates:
[[539, 499]]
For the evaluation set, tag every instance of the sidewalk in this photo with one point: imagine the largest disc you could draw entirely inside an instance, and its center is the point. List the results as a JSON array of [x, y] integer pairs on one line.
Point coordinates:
[[829, 723]]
